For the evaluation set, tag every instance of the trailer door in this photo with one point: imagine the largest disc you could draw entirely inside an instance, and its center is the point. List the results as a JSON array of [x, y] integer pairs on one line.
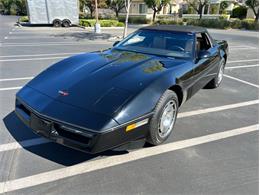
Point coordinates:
[[37, 11]]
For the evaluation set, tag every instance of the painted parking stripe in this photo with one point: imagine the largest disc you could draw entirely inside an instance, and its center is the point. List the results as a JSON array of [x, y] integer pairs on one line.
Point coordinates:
[[52, 44], [39, 55], [38, 141], [216, 109], [23, 144], [237, 61], [244, 66], [32, 59], [16, 79], [90, 166], [240, 46], [241, 81], [243, 48], [10, 88], [31, 37]]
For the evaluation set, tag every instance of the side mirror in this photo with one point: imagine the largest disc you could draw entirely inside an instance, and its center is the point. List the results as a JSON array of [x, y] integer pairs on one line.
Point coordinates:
[[115, 43], [203, 54]]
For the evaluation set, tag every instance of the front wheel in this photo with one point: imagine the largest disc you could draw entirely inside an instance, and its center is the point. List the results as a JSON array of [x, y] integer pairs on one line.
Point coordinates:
[[163, 120], [214, 83]]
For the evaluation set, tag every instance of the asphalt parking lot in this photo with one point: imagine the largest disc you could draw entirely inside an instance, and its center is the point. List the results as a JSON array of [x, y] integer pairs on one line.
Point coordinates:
[[213, 149]]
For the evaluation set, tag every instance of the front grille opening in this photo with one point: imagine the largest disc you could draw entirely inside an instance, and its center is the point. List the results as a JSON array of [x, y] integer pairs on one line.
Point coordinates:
[[23, 108], [70, 135]]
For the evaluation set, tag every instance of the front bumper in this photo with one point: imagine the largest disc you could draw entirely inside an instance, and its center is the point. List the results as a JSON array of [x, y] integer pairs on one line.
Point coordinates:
[[75, 137]]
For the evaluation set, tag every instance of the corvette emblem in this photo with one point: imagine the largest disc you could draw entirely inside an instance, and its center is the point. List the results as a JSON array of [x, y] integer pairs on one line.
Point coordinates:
[[63, 93]]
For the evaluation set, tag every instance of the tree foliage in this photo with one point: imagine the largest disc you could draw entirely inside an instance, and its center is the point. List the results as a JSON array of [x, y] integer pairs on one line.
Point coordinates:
[[90, 4], [156, 5], [239, 12], [224, 5], [14, 7], [198, 5], [254, 5], [116, 5]]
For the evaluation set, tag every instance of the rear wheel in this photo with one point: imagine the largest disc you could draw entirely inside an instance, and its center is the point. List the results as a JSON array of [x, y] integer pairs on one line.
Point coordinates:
[[162, 122], [214, 83], [56, 23], [66, 23]]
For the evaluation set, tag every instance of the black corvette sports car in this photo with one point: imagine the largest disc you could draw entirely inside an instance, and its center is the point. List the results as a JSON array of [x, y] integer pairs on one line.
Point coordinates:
[[100, 100]]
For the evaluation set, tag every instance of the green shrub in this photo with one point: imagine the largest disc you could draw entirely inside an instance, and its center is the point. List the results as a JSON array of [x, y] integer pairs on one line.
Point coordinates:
[[24, 19], [103, 23], [170, 22], [248, 24], [120, 24], [135, 20], [239, 12], [236, 24], [209, 23], [224, 17]]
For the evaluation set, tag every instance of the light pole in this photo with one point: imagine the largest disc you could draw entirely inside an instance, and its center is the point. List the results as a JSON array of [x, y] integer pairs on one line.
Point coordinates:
[[97, 25]]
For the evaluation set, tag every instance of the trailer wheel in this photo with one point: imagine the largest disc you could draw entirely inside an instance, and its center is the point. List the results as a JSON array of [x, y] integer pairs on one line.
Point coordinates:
[[66, 23], [56, 23]]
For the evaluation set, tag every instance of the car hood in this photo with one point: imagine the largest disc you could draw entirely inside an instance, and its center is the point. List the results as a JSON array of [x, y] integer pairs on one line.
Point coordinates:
[[100, 81]]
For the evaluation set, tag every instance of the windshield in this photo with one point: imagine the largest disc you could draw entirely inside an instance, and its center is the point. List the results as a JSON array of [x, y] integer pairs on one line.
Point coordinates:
[[171, 44]]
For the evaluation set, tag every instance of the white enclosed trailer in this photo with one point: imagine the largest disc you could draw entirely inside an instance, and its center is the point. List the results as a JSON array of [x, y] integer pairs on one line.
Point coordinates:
[[56, 12]]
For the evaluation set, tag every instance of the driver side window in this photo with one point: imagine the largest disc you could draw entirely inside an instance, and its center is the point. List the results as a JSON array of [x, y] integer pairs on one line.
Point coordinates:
[[202, 42]]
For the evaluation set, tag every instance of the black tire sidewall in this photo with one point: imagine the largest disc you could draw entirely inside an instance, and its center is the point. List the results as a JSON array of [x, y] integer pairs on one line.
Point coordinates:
[[57, 23], [153, 137], [66, 23]]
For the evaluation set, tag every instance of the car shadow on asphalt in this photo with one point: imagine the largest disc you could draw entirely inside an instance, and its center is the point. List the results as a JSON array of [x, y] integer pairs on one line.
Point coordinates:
[[85, 35], [52, 151]]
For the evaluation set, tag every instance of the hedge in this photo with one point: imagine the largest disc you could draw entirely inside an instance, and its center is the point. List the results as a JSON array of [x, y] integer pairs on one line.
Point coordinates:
[[239, 12], [248, 24], [135, 19], [24, 19], [103, 23]]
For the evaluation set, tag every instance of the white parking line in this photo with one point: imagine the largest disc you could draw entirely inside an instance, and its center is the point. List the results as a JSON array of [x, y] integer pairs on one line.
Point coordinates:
[[243, 48], [237, 61], [89, 166], [23, 144], [242, 81], [216, 109], [38, 141], [16, 79], [10, 88], [240, 46], [32, 59], [53, 43], [40, 55], [245, 66], [31, 37]]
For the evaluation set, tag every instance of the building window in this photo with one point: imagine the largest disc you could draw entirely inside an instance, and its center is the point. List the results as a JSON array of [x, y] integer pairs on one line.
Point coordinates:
[[142, 8]]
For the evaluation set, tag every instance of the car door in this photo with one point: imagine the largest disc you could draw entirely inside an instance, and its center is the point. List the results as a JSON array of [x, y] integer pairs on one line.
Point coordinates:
[[204, 69]]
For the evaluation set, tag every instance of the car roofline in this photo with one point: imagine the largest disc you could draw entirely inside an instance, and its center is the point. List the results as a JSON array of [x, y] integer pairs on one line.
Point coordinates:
[[175, 28]]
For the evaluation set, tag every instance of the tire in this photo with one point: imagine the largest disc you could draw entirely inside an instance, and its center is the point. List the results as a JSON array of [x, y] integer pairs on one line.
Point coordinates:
[[158, 132], [66, 23], [214, 83], [56, 23]]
